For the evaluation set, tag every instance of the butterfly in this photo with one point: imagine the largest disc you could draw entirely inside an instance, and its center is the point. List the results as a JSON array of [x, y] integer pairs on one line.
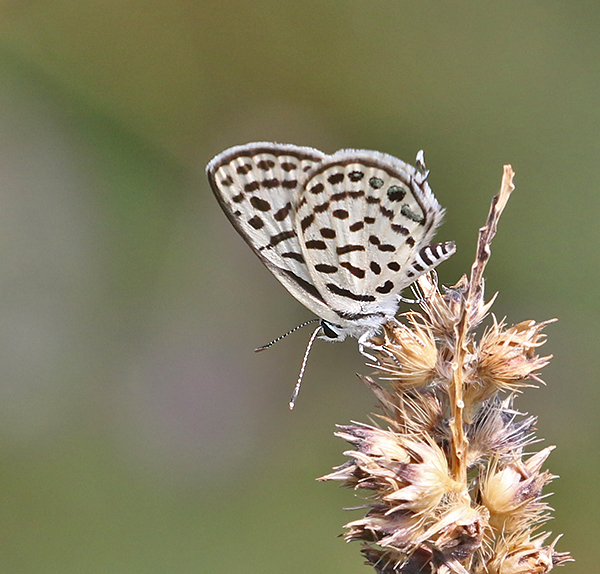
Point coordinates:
[[344, 233]]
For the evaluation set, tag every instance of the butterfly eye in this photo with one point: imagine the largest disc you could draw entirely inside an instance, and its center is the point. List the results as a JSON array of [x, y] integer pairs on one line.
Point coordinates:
[[328, 330]]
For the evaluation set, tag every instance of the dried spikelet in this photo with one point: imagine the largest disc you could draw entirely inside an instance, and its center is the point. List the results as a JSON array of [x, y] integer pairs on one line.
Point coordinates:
[[412, 355], [417, 413], [513, 494], [451, 489], [520, 554], [498, 431], [505, 360]]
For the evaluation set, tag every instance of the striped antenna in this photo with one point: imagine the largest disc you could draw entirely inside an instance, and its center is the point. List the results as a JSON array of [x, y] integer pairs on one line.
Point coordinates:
[[303, 367], [259, 349]]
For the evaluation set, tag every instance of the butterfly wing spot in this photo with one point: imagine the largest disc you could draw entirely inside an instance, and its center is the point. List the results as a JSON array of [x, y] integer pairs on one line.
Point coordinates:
[[243, 169], [410, 214], [356, 271], [340, 214], [328, 233], [385, 288], [282, 213], [324, 268], [335, 178], [256, 222], [356, 176], [348, 249], [265, 164], [396, 193], [307, 221], [260, 204]]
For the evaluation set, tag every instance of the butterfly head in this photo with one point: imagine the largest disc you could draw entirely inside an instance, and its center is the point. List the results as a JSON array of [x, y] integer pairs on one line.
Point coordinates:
[[332, 333]]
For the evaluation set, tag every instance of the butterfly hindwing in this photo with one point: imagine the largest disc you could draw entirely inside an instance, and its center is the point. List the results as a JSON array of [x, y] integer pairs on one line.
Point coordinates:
[[363, 219]]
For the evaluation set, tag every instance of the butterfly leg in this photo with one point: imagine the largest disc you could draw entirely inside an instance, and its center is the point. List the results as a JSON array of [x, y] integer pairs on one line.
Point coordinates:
[[364, 342]]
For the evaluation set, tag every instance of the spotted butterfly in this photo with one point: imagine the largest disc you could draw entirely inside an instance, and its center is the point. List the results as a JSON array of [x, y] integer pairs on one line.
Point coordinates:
[[344, 233]]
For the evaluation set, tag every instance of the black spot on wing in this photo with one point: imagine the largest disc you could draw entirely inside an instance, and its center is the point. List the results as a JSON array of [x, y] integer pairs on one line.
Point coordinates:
[[327, 233], [369, 220], [256, 222], [375, 182], [288, 166], [356, 271], [252, 186], [238, 198], [244, 169], [335, 178], [349, 248], [396, 193], [375, 267], [389, 213], [356, 175], [323, 268], [265, 164], [317, 188], [347, 293], [228, 181], [293, 255], [289, 183], [357, 226], [321, 207], [410, 214], [276, 239], [307, 221], [356, 194], [282, 213], [385, 288], [340, 213], [260, 204], [270, 183], [316, 244], [400, 229], [394, 266]]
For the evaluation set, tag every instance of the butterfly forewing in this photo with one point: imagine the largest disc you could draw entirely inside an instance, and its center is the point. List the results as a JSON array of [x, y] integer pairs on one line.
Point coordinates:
[[258, 186], [363, 217]]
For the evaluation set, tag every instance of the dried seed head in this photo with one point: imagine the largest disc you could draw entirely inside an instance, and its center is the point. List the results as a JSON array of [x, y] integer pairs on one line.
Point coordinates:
[[408, 355], [497, 431], [513, 494], [449, 489], [522, 555], [505, 360]]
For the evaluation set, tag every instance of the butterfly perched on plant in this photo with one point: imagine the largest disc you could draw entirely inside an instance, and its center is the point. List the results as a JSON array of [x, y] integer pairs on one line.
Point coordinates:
[[344, 233]]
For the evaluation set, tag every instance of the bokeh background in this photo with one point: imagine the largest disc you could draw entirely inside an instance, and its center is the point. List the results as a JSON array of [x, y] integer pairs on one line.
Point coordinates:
[[138, 431]]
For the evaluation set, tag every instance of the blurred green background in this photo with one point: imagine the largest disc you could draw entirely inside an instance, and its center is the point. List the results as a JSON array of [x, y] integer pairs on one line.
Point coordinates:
[[138, 431]]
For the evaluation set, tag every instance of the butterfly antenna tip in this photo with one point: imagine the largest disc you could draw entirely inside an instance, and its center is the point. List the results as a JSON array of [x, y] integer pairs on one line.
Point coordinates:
[[292, 402]]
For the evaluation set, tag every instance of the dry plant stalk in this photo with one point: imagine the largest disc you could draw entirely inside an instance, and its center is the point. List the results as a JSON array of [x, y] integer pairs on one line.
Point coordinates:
[[452, 489]]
